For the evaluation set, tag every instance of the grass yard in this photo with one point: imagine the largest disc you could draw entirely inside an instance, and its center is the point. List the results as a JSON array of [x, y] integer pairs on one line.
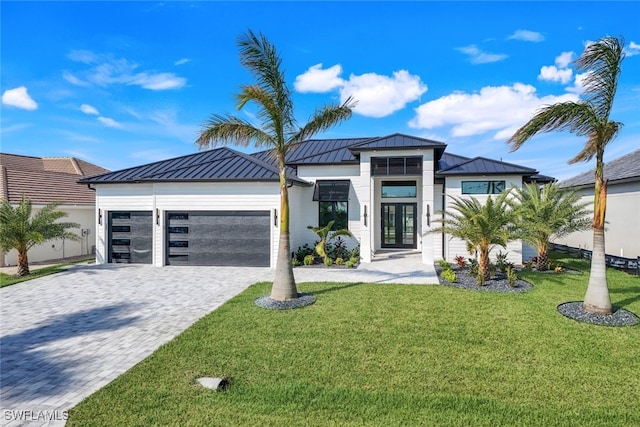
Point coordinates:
[[10, 279], [391, 355]]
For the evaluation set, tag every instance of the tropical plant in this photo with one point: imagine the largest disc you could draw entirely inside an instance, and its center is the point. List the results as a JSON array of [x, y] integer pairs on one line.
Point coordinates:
[[277, 129], [546, 213], [512, 276], [326, 235], [460, 261], [449, 275], [308, 260], [602, 63], [20, 230], [482, 226]]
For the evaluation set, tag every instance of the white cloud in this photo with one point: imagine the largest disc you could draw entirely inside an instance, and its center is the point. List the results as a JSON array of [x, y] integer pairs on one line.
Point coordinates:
[[317, 80], [564, 59], [380, 96], [88, 109], [182, 61], [500, 110], [559, 72], [109, 122], [632, 49], [160, 81], [376, 95], [19, 97], [553, 74], [107, 70], [476, 56], [527, 36]]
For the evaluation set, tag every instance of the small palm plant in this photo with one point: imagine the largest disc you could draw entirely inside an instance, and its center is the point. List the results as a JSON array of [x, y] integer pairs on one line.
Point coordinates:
[[482, 226], [326, 235], [21, 230], [547, 212]]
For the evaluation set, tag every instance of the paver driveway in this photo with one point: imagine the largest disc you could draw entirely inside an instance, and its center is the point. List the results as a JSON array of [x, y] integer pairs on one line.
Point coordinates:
[[65, 336]]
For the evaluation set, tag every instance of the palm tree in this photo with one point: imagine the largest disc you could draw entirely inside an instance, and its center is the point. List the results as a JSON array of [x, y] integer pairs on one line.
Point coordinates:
[[277, 129], [482, 226], [547, 212], [22, 231], [602, 62], [326, 235]]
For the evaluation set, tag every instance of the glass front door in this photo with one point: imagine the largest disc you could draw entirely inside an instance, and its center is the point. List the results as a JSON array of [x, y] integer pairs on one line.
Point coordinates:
[[399, 225]]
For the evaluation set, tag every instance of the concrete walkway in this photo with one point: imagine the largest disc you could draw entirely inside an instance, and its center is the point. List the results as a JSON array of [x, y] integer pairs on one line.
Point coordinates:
[[67, 335]]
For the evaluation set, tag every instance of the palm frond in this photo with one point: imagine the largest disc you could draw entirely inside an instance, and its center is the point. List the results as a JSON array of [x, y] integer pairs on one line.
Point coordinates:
[[232, 130], [323, 119]]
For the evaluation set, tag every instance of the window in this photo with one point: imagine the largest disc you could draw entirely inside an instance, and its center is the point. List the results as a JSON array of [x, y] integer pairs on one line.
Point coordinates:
[[334, 211], [483, 187], [396, 165], [391, 189], [334, 202]]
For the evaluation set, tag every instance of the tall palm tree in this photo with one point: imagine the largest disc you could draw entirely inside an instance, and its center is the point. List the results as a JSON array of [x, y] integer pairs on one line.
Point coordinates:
[[482, 226], [278, 129], [602, 62], [20, 230], [547, 212]]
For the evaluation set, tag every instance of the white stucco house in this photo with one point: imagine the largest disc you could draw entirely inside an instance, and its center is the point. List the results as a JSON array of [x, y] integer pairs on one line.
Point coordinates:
[[622, 229], [220, 207], [44, 180]]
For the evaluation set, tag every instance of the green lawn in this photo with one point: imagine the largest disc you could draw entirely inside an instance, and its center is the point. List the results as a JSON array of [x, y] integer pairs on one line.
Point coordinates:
[[391, 355], [10, 279]]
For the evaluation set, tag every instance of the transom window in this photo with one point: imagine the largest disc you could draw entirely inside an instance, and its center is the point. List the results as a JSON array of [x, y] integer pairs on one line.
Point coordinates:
[[333, 198], [397, 189], [483, 187], [396, 166]]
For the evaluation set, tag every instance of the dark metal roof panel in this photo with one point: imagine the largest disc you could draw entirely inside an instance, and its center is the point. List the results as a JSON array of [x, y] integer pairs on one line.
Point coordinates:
[[214, 165], [398, 141], [448, 160], [484, 166]]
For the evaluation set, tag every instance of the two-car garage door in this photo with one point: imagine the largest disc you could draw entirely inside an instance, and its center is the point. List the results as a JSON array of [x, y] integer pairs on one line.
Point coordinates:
[[225, 238], [218, 238]]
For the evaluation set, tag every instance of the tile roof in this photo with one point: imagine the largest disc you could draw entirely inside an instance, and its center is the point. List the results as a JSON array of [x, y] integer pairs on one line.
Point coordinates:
[[219, 164], [622, 169], [484, 166], [46, 179]]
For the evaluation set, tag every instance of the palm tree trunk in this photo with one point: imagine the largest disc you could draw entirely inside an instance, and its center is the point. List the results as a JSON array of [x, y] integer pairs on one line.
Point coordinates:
[[483, 265], [597, 300], [284, 284], [23, 264], [542, 260]]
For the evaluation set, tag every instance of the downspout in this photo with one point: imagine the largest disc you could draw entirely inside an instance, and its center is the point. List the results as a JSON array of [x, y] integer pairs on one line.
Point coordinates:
[[444, 199]]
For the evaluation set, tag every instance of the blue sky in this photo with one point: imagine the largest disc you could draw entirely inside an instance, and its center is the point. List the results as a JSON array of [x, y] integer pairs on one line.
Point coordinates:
[[121, 84]]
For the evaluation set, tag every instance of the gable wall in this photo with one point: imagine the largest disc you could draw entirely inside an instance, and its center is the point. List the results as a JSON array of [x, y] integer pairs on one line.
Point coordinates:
[[622, 231], [224, 196]]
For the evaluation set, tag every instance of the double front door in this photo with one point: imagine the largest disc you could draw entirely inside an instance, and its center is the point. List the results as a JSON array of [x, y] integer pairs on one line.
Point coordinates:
[[399, 224]]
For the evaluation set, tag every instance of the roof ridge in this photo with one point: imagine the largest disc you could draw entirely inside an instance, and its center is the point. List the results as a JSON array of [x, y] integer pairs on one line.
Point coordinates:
[[263, 164], [334, 149], [199, 164]]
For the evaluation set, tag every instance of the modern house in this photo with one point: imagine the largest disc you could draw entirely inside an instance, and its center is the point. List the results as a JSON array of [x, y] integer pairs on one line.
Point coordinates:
[[221, 207], [44, 180], [622, 230]]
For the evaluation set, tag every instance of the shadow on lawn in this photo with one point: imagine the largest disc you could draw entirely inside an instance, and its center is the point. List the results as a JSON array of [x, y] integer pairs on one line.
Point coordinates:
[[28, 371], [337, 288]]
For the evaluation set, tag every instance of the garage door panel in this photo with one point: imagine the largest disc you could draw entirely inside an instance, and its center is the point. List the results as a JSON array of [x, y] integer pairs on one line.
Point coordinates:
[[225, 238], [130, 237]]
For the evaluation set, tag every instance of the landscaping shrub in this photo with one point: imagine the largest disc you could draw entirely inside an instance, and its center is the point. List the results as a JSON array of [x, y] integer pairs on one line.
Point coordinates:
[[449, 275], [308, 260], [339, 261]]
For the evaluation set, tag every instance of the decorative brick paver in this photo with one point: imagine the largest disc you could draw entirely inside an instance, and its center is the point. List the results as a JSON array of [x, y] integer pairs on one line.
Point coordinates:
[[67, 335]]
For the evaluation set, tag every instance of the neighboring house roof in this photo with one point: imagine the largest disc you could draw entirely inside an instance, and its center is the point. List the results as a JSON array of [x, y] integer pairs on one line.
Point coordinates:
[[484, 166], [46, 179], [623, 169], [219, 164]]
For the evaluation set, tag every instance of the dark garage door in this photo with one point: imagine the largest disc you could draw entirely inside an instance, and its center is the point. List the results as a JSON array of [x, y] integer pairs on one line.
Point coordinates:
[[231, 238], [130, 237]]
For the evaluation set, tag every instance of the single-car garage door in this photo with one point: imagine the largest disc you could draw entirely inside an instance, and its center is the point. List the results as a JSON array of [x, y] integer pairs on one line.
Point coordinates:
[[232, 238], [130, 237]]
